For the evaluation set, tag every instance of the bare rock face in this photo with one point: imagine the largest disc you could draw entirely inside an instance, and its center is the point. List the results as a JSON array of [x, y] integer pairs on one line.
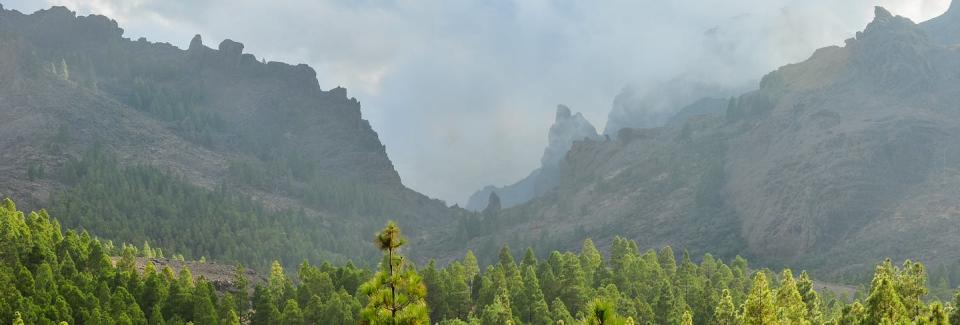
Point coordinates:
[[831, 164], [567, 129], [231, 50]]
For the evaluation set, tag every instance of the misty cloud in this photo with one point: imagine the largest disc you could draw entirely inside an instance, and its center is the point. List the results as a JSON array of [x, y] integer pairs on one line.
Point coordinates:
[[463, 92]]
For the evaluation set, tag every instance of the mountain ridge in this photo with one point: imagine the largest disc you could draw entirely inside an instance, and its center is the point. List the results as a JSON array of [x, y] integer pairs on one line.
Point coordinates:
[[217, 118], [825, 165]]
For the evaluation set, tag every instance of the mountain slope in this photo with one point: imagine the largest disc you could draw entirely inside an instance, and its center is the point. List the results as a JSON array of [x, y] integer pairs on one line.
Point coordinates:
[[847, 157], [567, 129], [74, 89]]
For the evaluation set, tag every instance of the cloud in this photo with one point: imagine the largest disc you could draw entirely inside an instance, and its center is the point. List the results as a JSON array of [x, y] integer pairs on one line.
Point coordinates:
[[462, 92]]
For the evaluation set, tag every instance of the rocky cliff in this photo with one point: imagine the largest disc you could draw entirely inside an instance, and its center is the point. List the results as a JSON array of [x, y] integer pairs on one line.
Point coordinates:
[[217, 118], [831, 164], [567, 129]]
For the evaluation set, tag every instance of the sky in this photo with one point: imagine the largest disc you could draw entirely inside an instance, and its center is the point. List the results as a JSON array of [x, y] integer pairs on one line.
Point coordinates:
[[463, 92]]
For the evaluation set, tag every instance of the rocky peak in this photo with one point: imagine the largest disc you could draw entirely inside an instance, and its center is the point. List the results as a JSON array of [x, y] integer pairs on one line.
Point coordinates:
[[894, 51], [493, 204], [881, 14], [196, 43], [886, 23], [231, 49], [563, 112], [566, 129], [58, 11]]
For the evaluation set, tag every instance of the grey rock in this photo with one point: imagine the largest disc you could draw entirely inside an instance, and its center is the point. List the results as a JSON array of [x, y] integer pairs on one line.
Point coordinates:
[[567, 129]]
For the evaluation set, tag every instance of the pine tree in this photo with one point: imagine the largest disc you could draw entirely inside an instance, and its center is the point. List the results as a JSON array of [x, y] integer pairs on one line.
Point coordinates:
[[147, 251], [601, 312], [955, 312], [499, 312], [232, 319], [507, 262], [396, 292], [936, 315], [529, 259], [470, 265], [560, 312], [911, 284], [436, 300], [278, 285], [810, 298], [241, 297], [458, 293], [292, 315], [725, 313], [759, 308], [534, 309], [666, 305], [687, 318], [471, 270], [590, 260], [884, 304], [668, 261], [791, 309]]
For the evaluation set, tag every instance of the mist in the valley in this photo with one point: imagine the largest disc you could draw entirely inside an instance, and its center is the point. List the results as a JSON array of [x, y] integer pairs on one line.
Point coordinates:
[[462, 93]]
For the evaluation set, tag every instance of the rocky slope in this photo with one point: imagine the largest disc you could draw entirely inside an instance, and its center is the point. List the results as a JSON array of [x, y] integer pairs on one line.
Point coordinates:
[[211, 116], [830, 164], [567, 129]]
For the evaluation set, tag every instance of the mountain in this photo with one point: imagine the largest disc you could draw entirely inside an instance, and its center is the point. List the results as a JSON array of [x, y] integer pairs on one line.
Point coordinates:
[[211, 152], [944, 29], [567, 129], [636, 107], [845, 158]]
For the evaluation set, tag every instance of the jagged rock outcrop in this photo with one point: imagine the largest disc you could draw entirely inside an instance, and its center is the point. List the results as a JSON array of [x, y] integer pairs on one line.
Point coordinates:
[[208, 115], [493, 204], [566, 129], [831, 164]]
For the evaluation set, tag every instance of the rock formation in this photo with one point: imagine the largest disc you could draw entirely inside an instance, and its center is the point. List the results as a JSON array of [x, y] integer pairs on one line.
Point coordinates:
[[566, 129], [830, 164]]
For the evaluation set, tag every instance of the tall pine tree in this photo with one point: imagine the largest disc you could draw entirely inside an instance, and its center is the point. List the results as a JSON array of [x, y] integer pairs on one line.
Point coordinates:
[[396, 292]]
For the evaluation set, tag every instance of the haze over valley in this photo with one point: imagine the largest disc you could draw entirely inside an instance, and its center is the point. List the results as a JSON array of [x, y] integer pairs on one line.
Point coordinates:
[[173, 162]]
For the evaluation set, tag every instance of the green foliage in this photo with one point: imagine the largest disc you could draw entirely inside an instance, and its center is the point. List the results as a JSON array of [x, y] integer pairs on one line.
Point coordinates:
[[725, 313], [790, 306], [885, 305], [395, 293], [759, 308], [48, 277], [142, 203]]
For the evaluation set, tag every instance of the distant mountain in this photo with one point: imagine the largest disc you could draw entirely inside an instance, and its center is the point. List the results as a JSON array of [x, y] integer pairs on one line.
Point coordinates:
[[830, 164], [135, 141], [567, 129], [639, 108]]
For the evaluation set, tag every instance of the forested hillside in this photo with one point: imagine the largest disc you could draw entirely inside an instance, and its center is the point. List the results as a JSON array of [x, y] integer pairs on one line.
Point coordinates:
[[48, 276], [210, 152], [830, 164]]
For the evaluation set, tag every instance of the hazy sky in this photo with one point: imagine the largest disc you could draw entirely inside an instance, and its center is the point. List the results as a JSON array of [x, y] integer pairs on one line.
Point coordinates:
[[462, 92]]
